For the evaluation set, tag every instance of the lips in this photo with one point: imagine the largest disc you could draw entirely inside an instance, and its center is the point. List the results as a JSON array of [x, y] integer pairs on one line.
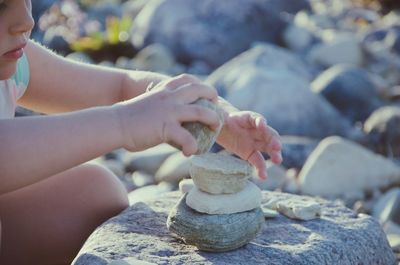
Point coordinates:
[[16, 53]]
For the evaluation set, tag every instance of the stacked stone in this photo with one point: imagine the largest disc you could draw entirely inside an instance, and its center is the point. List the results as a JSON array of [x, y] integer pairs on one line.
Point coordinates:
[[222, 211]]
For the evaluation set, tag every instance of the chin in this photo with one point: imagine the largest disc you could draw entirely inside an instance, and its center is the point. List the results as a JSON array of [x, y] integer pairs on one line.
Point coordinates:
[[6, 72]]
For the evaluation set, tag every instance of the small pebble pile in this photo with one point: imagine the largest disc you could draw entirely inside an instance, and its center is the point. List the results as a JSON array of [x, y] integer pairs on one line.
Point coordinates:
[[222, 211]]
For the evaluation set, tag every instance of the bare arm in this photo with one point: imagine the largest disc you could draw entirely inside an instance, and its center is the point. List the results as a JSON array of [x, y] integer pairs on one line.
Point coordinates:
[[33, 148], [60, 85]]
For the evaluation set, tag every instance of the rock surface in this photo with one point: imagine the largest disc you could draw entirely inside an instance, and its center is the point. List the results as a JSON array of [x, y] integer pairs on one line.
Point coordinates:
[[340, 236]]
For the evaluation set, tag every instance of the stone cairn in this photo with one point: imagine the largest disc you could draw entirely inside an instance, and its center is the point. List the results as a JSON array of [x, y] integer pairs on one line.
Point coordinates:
[[222, 211]]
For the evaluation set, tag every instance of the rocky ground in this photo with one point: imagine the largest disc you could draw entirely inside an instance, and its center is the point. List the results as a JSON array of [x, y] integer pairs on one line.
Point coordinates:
[[325, 73]]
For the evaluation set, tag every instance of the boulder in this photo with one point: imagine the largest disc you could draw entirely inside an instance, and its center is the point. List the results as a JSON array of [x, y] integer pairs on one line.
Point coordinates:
[[350, 90], [211, 30], [174, 168], [340, 50], [296, 149], [148, 160], [338, 167], [383, 130], [286, 88], [339, 236]]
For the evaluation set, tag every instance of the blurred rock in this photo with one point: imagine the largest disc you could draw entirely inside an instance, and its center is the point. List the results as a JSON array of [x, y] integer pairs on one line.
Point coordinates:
[[345, 50], [185, 185], [387, 208], [302, 112], [141, 179], [149, 160], [350, 90], [297, 38], [174, 168], [275, 180], [155, 58], [149, 192], [296, 149], [264, 56], [133, 8], [383, 130], [200, 30], [80, 57], [341, 168]]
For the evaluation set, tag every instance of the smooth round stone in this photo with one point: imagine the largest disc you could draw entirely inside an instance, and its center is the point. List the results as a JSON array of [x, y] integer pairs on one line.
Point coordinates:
[[214, 233], [205, 137], [219, 174], [245, 200]]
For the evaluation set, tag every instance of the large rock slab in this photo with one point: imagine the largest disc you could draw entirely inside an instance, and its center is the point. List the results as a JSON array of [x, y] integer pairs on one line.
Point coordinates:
[[339, 236], [211, 30], [338, 167]]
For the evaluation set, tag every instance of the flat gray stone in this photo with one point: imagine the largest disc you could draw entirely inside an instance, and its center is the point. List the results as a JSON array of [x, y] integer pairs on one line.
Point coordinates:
[[214, 232], [339, 236]]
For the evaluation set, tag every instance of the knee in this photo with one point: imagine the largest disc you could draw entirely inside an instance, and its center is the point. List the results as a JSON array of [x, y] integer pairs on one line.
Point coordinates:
[[104, 189]]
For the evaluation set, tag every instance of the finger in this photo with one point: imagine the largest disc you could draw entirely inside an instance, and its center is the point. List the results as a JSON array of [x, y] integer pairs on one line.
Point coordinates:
[[257, 160], [248, 119], [181, 80], [191, 92], [181, 138], [191, 113], [276, 157]]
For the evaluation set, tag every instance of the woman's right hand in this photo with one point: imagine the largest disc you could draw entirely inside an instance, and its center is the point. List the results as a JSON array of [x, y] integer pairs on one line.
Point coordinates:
[[156, 116]]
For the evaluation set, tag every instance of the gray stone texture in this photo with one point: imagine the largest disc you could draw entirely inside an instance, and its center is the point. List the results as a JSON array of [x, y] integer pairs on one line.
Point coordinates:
[[340, 236], [211, 30]]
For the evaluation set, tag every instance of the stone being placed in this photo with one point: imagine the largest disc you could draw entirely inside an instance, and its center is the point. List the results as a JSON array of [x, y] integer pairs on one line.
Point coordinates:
[[218, 174], [245, 200], [205, 137], [214, 232], [341, 168], [339, 236]]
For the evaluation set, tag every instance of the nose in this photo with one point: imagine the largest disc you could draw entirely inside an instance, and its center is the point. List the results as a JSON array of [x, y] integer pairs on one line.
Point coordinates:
[[23, 21]]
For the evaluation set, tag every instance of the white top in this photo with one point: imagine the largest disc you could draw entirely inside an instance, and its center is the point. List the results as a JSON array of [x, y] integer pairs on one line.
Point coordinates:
[[13, 89]]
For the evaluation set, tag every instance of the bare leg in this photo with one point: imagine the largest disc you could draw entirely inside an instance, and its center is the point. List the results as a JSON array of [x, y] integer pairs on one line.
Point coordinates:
[[47, 223]]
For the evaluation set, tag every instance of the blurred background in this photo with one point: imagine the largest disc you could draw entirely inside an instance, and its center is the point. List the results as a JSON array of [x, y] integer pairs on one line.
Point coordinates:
[[325, 74]]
